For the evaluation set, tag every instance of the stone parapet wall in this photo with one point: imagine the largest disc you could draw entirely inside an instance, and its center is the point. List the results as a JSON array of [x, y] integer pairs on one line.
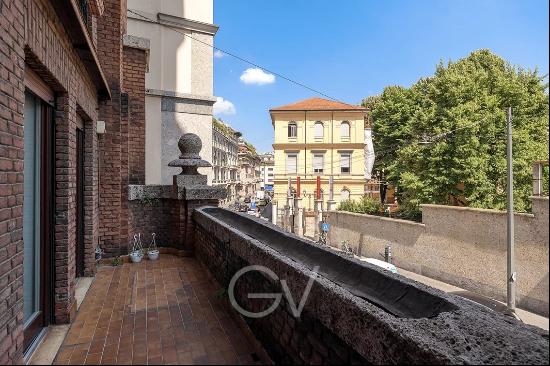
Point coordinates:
[[465, 247], [338, 326]]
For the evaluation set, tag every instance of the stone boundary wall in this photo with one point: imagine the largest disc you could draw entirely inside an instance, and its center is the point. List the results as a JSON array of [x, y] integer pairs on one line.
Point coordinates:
[[464, 247], [337, 327]]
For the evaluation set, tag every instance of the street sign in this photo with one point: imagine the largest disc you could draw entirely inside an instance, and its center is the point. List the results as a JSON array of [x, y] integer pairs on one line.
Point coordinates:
[[325, 227]]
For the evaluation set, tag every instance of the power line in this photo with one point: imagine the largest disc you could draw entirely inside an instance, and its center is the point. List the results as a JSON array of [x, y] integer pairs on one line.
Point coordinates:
[[239, 58]]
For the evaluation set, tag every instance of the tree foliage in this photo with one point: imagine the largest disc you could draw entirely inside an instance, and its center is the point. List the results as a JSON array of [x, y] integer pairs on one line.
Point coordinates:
[[366, 205], [468, 97]]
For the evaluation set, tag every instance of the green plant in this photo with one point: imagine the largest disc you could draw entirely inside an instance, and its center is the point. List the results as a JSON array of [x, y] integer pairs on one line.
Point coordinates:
[[443, 140], [366, 205], [116, 261], [409, 212]]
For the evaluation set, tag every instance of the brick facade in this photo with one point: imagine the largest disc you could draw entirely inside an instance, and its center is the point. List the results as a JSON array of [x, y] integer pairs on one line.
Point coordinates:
[[170, 219], [50, 53], [110, 30], [33, 35], [12, 98], [135, 67]]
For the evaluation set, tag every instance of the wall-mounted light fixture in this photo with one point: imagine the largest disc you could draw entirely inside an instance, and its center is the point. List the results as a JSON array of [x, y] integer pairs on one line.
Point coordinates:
[[100, 128]]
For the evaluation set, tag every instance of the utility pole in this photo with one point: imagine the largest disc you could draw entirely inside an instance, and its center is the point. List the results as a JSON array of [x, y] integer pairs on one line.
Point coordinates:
[[511, 265]]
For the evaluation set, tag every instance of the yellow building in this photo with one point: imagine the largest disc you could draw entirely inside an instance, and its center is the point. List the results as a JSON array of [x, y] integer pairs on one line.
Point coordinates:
[[319, 137]]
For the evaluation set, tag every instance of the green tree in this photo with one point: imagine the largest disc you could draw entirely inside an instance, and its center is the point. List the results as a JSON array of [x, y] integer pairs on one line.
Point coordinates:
[[460, 112]]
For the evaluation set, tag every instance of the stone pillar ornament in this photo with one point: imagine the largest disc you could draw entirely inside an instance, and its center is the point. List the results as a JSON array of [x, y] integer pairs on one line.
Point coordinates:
[[191, 188], [189, 161]]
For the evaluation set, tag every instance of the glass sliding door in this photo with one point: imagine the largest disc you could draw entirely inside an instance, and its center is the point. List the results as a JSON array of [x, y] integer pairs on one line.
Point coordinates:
[[37, 214], [31, 210]]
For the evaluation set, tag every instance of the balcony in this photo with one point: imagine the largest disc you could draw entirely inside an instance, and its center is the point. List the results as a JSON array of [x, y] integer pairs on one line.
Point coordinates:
[[182, 309], [164, 312]]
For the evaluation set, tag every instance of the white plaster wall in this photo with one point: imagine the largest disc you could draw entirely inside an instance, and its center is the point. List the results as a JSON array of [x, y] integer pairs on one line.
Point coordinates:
[[174, 125], [200, 10], [176, 62], [202, 61], [177, 65]]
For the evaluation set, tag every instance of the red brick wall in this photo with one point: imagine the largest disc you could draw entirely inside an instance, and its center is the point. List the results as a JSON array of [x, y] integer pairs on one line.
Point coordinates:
[[170, 219], [11, 180], [109, 39], [124, 118], [123, 145], [135, 65], [31, 33], [50, 53]]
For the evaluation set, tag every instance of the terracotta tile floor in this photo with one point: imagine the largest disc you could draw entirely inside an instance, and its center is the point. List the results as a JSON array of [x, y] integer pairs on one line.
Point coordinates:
[[161, 312]]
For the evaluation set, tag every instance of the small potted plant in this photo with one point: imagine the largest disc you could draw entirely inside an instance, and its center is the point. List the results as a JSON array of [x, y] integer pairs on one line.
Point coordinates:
[[136, 254], [153, 251]]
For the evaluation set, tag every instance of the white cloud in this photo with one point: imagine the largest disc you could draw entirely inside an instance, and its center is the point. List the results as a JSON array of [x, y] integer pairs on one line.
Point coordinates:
[[218, 54], [257, 76], [223, 106]]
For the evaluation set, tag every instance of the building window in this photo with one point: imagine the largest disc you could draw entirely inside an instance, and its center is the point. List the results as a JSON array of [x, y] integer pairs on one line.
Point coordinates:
[[344, 194], [292, 163], [318, 163], [345, 163], [344, 130], [292, 130], [318, 130]]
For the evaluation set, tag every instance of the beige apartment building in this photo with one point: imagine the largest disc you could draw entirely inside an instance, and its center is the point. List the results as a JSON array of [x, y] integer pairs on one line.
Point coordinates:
[[179, 82], [225, 159], [249, 175], [319, 137]]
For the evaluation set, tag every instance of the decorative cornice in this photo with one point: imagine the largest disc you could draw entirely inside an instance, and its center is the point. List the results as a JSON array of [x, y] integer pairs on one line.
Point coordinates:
[[188, 24], [165, 93]]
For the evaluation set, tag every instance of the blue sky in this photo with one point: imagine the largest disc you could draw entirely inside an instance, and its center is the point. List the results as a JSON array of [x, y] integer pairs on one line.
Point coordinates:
[[351, 49]]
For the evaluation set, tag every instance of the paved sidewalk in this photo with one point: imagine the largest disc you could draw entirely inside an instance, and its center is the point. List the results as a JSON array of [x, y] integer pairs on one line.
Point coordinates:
[[525, 316], [161, 312]]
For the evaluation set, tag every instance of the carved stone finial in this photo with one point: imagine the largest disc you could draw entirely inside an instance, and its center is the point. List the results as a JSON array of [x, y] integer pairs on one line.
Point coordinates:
[[190, 146]]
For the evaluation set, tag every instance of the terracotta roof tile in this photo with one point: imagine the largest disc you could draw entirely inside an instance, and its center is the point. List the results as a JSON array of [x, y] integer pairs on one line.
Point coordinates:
[[317, 104]]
